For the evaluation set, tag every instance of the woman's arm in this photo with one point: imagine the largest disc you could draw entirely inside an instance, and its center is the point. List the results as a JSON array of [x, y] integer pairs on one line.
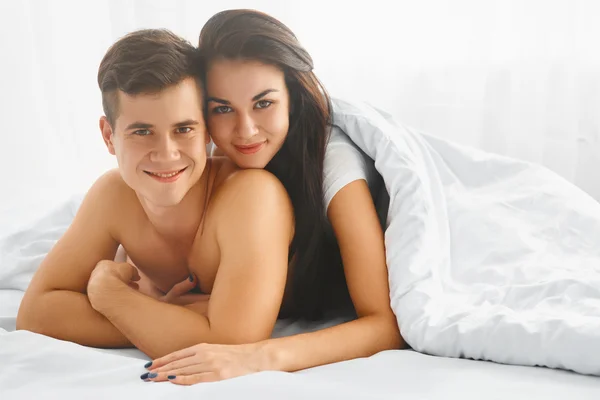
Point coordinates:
[[360, 237], [361, 244]]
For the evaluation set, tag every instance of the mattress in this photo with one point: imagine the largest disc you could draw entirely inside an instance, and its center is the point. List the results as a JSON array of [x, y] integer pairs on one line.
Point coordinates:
[[35, 366]]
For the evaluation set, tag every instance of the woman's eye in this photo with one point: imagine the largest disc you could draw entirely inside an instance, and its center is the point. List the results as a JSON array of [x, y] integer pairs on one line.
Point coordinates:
[[221, 109], [184, 130], [263, 104], [142, 132]]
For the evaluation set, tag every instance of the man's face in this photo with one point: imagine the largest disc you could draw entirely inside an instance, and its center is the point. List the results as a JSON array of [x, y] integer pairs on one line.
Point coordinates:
[[160, 141]]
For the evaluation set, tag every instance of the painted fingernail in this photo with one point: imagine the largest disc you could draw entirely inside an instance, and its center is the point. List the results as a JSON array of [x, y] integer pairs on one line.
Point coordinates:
[[148, 364], [191, 278], [144, 376], [171, 377], [152, 375]]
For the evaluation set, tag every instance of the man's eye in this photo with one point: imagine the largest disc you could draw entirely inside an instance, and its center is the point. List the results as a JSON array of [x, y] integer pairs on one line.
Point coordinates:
[[142, 132], [221, 109], [263, 104], [184, 130]]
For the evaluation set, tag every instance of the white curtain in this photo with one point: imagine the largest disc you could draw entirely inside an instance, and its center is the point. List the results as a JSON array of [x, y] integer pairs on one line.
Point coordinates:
[[519, 78]]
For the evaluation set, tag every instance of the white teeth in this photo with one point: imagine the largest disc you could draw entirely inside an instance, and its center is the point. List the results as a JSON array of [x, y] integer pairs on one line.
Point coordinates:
[[165, 175]]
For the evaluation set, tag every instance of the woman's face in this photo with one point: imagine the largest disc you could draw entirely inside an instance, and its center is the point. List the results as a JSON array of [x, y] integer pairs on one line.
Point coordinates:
[[248, 110]]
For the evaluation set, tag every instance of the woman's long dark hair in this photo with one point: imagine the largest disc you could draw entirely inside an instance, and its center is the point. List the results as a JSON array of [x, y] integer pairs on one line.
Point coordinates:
[[252, 35]]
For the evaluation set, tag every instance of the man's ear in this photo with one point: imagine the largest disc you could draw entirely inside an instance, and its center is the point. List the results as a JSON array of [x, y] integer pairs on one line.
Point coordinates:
[[107, 134]]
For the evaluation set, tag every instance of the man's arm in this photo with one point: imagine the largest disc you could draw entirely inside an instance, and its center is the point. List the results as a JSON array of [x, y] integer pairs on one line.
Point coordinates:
[[55, 303], [255, 228]]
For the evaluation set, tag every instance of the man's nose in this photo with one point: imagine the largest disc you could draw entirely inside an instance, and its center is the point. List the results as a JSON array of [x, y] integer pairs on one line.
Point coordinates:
[[165, 149]]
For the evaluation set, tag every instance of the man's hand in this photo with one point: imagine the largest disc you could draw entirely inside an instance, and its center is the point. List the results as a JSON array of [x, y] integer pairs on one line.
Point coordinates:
[[107, 277]]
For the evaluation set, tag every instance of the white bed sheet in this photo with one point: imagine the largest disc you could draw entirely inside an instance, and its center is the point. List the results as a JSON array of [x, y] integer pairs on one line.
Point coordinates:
[[35, 366]]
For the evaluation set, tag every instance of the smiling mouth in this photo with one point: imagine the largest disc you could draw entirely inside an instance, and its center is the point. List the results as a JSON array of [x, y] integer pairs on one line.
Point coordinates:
[[166, 176], [251, 149]]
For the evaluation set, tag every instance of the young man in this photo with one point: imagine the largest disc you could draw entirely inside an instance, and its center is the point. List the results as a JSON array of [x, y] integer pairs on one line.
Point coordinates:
[[174, 212]]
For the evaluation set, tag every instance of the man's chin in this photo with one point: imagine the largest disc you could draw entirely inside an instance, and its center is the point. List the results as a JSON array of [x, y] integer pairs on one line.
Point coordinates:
[[161, 200], [167, 203]]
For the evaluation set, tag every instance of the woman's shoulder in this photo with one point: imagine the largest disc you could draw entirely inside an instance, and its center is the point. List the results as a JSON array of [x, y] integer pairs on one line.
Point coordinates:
[[344, 163], [338, 138], [342, 154]]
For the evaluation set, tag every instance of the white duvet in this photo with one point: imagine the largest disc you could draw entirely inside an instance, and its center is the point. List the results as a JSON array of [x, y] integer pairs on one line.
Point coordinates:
[[489, 258]]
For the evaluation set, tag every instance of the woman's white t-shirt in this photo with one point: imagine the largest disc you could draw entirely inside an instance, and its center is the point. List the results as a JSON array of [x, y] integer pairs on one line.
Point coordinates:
[[346, 163]]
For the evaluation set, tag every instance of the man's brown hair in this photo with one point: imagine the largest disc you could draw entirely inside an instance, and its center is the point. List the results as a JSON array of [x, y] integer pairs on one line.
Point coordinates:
[[144, 61]]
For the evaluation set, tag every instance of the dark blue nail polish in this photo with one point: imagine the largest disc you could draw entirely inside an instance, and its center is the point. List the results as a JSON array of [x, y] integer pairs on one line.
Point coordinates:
[[144, 376], [191, 278], [171, 377], [148, 364], [152, 375]]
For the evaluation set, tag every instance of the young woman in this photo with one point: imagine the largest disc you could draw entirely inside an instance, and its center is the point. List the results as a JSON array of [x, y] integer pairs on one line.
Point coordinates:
[[265, 108]]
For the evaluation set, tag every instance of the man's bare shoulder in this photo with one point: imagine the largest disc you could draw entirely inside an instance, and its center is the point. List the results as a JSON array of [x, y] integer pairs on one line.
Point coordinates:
[[111, 197], [89, 239], [110, 186]]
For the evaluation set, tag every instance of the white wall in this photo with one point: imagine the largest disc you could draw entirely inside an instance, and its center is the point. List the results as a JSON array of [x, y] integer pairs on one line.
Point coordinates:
[[520, 78]]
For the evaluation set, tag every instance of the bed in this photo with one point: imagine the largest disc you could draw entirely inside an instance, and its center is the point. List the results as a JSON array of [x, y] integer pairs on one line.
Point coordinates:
[[35, 366], [457, 280]]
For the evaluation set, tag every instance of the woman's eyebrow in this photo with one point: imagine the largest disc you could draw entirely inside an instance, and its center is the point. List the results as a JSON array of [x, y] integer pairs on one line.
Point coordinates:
[[257, 97], [186, 123], [217, 100], [263, 94]]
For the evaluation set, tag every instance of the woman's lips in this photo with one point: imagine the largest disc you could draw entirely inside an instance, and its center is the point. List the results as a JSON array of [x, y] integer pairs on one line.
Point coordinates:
[[249, 149]]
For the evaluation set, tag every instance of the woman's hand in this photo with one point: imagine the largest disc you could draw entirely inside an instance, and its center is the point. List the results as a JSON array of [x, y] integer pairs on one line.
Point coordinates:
[[207, 363], [179, 293]]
